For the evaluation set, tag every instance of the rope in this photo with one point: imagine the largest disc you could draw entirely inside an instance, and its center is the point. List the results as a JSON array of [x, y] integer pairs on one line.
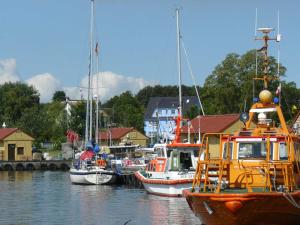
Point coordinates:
[[291, 200], [192, 75]]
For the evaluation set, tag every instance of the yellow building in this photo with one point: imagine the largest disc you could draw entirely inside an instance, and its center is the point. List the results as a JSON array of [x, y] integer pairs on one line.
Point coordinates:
[[122, 135], [15, 145], [226, 123]]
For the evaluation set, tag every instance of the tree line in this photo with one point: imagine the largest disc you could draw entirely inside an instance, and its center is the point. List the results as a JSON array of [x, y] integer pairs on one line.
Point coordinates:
[[228, 89]]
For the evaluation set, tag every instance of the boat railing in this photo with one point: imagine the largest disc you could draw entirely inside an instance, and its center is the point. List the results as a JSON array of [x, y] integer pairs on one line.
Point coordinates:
[[213, 173]]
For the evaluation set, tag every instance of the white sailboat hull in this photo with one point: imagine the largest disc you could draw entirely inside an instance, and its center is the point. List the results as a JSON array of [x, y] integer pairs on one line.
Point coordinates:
[[92, 176]]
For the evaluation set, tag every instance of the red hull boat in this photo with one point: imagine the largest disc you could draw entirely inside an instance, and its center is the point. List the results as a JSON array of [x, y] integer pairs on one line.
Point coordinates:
[[257, 168]]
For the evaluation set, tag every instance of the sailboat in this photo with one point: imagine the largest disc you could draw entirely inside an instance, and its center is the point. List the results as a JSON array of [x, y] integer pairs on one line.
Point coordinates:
[[173, 170], [257, 168], [88, 168]]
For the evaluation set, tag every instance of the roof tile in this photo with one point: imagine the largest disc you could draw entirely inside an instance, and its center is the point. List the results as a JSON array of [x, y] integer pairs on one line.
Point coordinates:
[[212, 123], [116, 133], [4, 132]]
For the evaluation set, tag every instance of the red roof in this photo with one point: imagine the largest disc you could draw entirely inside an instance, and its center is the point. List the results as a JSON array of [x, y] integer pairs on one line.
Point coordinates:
[[116, 133], [212, 123], [4, 132]]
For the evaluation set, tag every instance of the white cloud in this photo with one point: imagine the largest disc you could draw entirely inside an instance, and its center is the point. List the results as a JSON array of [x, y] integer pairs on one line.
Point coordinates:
[[110, 84], [46, 84], [8, 71]]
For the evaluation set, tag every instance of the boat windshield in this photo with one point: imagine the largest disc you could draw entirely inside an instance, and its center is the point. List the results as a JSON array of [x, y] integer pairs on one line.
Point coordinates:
[[283, 152], [159, 151], [254, 150]]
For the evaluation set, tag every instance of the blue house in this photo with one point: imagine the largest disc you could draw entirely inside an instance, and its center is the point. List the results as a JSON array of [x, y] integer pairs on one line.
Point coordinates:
[[159, 121]]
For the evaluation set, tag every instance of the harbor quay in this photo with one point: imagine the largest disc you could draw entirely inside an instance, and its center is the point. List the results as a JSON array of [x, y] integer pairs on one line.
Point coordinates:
[[125, 177], [63, 165]]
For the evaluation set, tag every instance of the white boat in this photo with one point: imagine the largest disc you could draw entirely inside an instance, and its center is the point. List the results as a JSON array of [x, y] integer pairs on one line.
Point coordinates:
[[172, 171], [138, 159], [92, 175]]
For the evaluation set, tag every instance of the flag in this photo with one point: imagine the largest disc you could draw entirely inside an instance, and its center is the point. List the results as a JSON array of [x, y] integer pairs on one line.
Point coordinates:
[[278, 90], [97, 48], [264, 48]]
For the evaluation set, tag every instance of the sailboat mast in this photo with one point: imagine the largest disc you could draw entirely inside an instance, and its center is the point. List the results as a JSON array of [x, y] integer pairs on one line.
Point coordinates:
[[97, 97], [91, 71], [179, 64]]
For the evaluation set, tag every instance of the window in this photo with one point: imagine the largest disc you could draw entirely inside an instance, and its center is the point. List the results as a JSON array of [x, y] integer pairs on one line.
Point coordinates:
[[133, 135], [173, 111], [254, 150], [160, 152], [225, 146], [283, 154], [20, 150]]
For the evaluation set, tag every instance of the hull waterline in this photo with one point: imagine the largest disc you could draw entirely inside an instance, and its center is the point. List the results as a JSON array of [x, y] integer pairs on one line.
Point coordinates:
[[92, 176], [164, 187]]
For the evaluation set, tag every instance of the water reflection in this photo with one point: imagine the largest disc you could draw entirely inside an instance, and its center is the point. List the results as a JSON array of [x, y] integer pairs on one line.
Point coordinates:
[[50, 198]]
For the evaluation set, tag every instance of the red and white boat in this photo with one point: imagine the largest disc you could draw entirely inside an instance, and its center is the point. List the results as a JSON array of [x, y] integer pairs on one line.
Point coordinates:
[[173, 170]]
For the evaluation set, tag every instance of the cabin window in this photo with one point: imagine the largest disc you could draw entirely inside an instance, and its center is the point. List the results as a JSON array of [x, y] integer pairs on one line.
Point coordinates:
[[169, 152], [225, 148], [174, 161], [20, 151], [297, 151], [196, 153], [283, 154], [254, 150], [185, 160], [160, 152]]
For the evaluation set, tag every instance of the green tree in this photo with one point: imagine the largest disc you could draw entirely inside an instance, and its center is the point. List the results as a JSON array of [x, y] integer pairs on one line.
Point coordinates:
[[15, 99], [290, 97], [59, 96], [229, 89], [193, 112], [77, 117], [127, 110]]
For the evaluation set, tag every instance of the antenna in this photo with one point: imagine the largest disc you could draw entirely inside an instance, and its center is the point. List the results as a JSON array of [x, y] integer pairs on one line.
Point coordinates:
[[256, 63], [255, 26], [278, 39], [255, 35]]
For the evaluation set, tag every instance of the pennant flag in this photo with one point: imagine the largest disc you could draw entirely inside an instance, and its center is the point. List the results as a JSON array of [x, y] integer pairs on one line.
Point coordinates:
[[278, 90], [97, 48]]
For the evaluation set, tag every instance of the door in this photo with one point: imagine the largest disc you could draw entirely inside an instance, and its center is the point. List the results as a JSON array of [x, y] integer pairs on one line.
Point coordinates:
[[11, 152]]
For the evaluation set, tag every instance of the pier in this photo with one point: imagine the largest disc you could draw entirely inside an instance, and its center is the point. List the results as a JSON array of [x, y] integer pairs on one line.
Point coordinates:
[[63, 165]]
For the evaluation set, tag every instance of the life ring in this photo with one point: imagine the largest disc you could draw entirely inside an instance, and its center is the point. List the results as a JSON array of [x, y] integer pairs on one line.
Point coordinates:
[[101, 162]]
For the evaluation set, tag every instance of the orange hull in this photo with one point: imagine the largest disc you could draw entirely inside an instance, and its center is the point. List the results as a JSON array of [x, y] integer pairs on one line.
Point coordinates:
[[245, 209]]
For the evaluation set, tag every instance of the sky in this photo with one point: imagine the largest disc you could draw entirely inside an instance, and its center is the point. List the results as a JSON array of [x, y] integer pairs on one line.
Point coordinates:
[[45, 43]]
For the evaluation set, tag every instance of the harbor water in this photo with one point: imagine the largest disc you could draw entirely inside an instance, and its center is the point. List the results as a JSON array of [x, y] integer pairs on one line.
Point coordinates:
[[49, 198]]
